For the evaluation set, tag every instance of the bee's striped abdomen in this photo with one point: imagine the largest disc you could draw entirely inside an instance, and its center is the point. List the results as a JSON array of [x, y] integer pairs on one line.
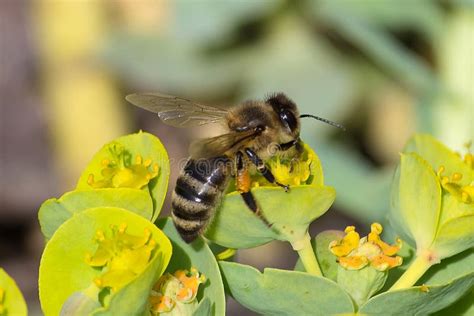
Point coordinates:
[[197, 194]]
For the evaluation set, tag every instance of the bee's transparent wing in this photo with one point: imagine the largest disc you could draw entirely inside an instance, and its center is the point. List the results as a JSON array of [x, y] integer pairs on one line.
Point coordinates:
[[219, 145], [177, 111]]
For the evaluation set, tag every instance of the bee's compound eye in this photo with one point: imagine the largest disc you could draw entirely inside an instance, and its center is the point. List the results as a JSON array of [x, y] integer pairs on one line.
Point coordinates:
[[288, 119]]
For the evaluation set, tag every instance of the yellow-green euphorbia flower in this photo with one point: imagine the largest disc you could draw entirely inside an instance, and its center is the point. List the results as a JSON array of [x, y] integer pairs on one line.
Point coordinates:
[[121, 256], [121, 173], [433, 203], [292, 171], [364, 262], [99, 257]]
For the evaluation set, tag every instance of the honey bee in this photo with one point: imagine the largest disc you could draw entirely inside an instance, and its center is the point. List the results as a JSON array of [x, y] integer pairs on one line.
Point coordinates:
[[252, 128]]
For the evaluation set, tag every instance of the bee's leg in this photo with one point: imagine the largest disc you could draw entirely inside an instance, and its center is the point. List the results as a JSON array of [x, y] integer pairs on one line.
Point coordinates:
[[250, 201], [243, 182], [266, 173], [299, 147]]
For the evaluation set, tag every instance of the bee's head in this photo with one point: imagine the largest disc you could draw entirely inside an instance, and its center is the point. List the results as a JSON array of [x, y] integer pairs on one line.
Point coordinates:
[[287, 113], [289, 116]]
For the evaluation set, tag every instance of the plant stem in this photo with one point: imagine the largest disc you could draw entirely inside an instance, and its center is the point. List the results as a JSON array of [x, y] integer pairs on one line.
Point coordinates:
[[419, 266], [307, 255]]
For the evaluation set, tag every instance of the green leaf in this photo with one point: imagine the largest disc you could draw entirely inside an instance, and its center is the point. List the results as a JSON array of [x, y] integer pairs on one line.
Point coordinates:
[[280, 292], [463, 307], [225, 230], [144, 144], [419, 198], [326, 259], [54, 212], [419, 300], [12, 302], [64, 271], [290, 213], [361, 284], [396, 221], [455, 236], [437, 155], [449, 269], [197, 255], [204, 308]]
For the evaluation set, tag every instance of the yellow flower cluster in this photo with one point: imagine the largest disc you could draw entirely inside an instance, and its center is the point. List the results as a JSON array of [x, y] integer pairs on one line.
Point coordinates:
[[290, 172], [354, 253], [121, 173], [295, 173], [122, 256], [175, 289], [464, 193]]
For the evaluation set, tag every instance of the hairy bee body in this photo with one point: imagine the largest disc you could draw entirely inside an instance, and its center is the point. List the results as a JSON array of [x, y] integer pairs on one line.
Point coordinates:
[[197, 194], [256, 131], [201, 183]]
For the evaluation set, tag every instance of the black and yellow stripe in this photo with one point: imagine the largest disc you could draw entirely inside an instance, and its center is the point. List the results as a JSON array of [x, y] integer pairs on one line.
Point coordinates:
[[197, 194]]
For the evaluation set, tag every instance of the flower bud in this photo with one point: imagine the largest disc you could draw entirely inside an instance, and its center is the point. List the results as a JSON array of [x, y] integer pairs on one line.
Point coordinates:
[[175, 294]]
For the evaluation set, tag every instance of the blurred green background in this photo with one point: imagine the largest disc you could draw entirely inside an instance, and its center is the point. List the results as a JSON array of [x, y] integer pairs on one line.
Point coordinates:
[[384, 69]]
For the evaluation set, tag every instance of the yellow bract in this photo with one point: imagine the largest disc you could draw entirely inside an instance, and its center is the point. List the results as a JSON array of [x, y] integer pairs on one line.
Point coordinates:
[[175, 289], [121, 173], [2, 297], [122, 256], [354, 252]]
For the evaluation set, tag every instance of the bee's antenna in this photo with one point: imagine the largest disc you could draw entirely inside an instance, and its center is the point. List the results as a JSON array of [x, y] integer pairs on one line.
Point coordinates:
[[324, 120]]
